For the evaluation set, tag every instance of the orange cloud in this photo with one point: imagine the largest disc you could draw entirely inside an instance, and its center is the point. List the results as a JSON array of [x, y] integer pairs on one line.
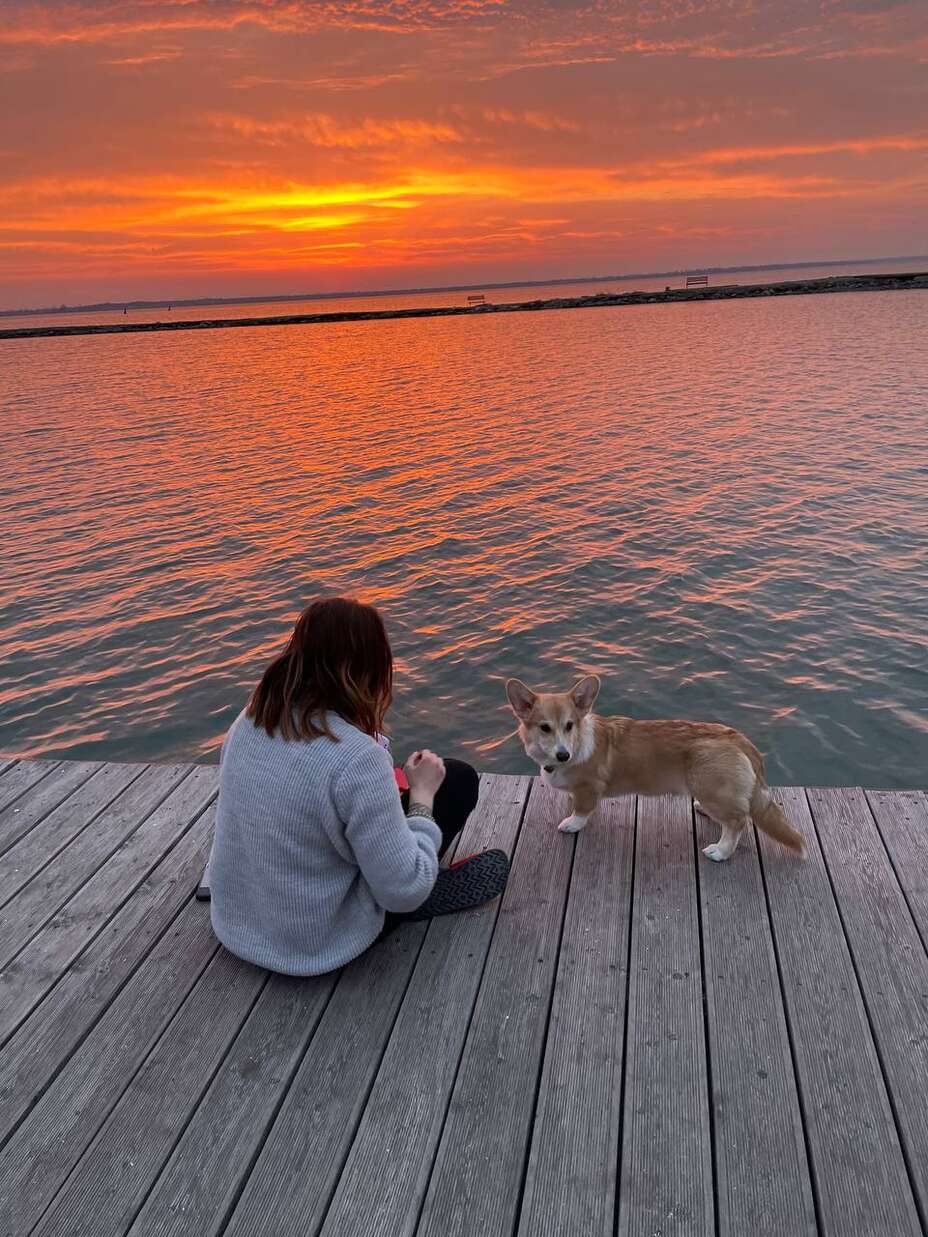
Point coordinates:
[[323, 130], [152, 57], [50, 23], [229, 136]]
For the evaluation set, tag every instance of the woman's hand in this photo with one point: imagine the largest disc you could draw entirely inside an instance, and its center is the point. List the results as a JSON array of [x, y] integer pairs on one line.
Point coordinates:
[[425, 772]]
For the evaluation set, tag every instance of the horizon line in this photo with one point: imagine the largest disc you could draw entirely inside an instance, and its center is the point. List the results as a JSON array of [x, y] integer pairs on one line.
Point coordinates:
[[516, 283]]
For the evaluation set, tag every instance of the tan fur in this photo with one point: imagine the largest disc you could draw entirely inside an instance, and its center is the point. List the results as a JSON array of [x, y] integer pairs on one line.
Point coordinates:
[[607, 756]]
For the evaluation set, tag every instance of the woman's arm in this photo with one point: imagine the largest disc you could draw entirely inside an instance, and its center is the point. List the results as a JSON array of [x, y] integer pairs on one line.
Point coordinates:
[[397, 855]]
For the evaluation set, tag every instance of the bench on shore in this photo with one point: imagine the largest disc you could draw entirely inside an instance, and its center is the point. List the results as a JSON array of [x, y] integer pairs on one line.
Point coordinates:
[[632, 1039], [697, 281]]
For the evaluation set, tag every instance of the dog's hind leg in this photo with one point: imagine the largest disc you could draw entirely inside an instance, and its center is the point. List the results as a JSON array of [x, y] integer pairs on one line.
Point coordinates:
[[733, 823], [721, 782], [584, 803], [725, 847]]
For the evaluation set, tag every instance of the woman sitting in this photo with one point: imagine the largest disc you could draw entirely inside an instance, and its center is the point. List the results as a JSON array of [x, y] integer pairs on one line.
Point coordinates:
[[314, 857]]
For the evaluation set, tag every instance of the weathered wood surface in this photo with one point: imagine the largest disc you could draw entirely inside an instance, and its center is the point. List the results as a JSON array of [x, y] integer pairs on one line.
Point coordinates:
[[571, 1178], [889, 959], [476, 1181], [79, 809], [755, 1102], [39, 897], [633, 1039], [29, 792], [379, 1193], [902, 818], [857, 1163], [665, 1183]]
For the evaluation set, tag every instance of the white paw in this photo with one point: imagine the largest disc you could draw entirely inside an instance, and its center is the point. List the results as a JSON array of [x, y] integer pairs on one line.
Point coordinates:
[[699, 808], [716, 853], [573, 824]]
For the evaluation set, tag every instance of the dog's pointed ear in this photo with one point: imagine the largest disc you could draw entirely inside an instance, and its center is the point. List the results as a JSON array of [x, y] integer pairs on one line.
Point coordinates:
[[521, 698], [585, 693]]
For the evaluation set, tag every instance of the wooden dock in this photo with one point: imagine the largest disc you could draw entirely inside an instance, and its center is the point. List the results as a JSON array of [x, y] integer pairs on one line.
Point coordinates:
[[633, 1041]]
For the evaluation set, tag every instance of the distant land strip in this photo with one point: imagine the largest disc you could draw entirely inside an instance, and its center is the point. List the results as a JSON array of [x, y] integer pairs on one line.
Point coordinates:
[[721, 292]]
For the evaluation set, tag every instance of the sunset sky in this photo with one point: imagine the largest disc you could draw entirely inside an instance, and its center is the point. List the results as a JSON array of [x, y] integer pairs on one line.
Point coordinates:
[[176, 148]]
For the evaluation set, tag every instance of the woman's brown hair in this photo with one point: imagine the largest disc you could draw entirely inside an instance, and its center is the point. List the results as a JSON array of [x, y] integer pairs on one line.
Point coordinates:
[[338, 660]]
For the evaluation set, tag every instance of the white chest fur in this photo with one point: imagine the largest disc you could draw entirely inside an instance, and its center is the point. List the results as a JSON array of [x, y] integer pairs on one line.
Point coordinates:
[[556, 779]]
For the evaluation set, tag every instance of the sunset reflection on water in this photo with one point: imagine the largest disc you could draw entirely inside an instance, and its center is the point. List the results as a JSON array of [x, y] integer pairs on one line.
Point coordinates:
[[719, 508]]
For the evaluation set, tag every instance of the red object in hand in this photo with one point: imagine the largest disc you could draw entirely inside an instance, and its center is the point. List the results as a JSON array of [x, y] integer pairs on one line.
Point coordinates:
[[401, 779]]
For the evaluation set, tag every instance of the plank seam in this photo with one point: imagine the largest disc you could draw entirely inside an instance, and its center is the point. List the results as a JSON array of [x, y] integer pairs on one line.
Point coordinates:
[[272, 1120], [209, 1082], [109, 855], [895, 870], [54, 808], [710, 1086], [78, 1043], [787, 1017], [103, 925], [628, 980], [527, 1149], [906, 1158], [25, 791], [104, 808], [367, 1094], [470, 1021], [88, 1146], [102, 1010]]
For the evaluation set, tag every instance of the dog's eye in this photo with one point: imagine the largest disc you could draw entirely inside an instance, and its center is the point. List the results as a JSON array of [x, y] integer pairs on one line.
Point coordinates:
[[545, 727], [569, 726]]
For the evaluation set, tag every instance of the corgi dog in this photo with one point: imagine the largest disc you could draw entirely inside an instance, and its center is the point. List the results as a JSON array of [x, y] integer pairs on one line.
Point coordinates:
[[594, 758]]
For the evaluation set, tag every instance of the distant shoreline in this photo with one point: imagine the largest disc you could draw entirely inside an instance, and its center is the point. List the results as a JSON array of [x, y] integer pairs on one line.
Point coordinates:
[[178, 302], [721, 292]]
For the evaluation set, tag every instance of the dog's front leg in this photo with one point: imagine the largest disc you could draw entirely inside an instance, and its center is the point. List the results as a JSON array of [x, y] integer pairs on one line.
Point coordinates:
[[584, 805]]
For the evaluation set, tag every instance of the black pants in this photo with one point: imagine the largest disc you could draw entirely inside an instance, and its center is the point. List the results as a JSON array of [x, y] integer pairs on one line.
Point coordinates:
[[455, 799]]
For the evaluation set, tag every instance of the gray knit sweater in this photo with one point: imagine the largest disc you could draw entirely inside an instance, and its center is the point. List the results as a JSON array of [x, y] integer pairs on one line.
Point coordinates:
[[311, 846]]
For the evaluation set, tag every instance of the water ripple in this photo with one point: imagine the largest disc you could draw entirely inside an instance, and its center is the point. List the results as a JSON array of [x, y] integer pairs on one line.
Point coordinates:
[[719, 508]]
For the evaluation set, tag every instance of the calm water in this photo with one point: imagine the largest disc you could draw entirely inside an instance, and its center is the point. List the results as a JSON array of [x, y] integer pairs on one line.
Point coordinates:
[[721, 508]]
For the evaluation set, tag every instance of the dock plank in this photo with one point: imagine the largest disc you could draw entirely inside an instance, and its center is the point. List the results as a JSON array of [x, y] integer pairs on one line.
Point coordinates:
[[890, 960], [665, 1183], [387, 1169], [6, 762], [47, 1038], [476, 1182], [570, 1184], [110, 1182], [19, 780], [26, 980], [200, 1183], [859, 1173], [771, 1079], [902, 818], [64, 824], [67, 1116], [763, 1183], [297, 1170], [30, 797], [48, 890]]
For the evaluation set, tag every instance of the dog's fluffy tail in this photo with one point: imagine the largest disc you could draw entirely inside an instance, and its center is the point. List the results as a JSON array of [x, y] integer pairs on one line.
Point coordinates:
[[769, 817]]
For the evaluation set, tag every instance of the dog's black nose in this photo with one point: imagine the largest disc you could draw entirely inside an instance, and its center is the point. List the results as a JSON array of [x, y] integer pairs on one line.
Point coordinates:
[[562, 755]]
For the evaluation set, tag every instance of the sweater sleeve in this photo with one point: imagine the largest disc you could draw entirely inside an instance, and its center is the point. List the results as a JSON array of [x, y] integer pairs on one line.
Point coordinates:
[[397, 855]]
